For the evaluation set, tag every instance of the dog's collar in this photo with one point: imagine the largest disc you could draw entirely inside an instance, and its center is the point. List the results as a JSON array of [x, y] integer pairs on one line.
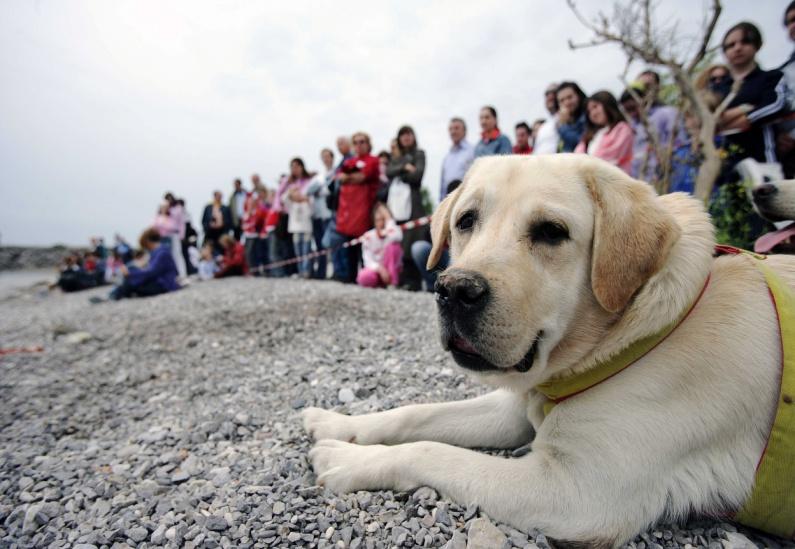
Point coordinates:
[[558, 390]]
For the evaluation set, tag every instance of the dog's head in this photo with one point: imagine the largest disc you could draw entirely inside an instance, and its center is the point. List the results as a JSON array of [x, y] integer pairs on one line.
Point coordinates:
[[537, 244], [775, 200]]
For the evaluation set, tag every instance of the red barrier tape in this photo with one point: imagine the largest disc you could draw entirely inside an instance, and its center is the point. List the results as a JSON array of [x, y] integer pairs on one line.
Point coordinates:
[[419, 222], [17, 350]]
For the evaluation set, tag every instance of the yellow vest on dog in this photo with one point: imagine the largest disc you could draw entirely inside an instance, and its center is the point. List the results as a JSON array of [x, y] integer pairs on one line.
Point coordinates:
[[771, 506]]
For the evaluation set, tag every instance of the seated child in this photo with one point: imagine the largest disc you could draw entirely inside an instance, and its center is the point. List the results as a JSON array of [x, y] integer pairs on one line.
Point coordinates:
[[207, 266], [382, 254], [234, 260]]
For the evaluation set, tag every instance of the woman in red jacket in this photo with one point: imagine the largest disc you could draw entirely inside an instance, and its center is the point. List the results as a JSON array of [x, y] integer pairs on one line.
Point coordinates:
[[359, 178]]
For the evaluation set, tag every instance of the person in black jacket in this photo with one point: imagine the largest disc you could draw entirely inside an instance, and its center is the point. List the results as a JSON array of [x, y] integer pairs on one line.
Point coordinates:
[[216, 221], [407, 169], [760, 99]]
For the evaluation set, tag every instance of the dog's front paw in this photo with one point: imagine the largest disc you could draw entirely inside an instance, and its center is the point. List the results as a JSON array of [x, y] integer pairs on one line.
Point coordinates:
[[324, 424], [343, 467]]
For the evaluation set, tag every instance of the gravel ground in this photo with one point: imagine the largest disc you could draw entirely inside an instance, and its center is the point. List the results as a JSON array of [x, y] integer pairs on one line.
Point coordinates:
[[174, 421]]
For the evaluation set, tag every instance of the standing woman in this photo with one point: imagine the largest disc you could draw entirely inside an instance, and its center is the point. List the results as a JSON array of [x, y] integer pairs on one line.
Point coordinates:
[[607, 134], [571, 115], [492, 141], [404, 200], [760, 99]]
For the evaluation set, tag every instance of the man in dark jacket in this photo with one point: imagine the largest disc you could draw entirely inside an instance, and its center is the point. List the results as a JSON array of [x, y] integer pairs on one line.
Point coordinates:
[[159, 276], [216, 221]]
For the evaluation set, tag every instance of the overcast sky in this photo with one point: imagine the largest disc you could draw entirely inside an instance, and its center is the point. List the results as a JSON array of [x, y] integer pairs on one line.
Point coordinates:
[[106, 104]]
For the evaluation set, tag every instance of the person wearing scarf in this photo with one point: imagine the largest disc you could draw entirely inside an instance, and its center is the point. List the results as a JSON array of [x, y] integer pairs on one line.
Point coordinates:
[[492, 141]]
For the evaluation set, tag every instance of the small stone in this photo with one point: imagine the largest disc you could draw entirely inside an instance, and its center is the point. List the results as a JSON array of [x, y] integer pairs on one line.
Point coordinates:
[[346, 396], [735, 540], [458, 541], [483, 534], [159, 535], [34, 518], [242, 419], [180, 476], [216, 523], [137, 534], [278, 508], [292, 537], [76, 338], [297, 403]]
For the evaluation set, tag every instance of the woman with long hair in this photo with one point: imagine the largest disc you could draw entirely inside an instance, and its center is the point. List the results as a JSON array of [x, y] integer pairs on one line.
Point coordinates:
[[571, 115], [299, 211], [404, 199], [607, 134]]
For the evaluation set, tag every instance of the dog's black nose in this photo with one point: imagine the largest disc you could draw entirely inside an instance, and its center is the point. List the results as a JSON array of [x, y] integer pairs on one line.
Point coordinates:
[[460, 289], [764, 191]]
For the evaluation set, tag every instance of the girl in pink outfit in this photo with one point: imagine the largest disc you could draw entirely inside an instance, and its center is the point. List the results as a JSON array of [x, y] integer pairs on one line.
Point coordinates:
[[382, 254], [607, 134]]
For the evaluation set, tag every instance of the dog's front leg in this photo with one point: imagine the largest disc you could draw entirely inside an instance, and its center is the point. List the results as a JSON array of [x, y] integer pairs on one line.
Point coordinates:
[[495, 420], [535, 491]]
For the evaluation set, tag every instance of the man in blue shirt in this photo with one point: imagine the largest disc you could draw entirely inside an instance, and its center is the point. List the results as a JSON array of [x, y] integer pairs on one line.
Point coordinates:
[[458, 159], [159, 276]]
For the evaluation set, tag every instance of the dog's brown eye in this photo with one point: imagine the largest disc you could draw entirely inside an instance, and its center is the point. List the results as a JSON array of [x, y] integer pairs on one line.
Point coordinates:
[[548, 232], [466, 221]]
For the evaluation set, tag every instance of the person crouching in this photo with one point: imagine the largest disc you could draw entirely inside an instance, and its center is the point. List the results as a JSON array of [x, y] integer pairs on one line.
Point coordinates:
[[234, 260], [158, 277], [382, 254]]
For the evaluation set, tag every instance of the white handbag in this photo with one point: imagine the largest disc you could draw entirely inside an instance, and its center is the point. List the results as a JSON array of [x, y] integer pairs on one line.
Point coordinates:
[[399, 199]]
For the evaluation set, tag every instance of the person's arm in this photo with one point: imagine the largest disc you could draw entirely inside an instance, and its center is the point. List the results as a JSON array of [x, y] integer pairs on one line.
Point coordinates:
[[157, 266], [581, 148], [504, 145], [395, 168], [414, 178], [617, 144], [570, 134], [772, 101]]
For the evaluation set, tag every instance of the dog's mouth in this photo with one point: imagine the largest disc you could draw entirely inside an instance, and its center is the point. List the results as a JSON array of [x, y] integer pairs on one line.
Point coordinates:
[[467, 356]]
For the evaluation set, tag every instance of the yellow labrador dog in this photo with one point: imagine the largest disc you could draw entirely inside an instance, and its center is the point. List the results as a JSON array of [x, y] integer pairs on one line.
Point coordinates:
[[560, 263]]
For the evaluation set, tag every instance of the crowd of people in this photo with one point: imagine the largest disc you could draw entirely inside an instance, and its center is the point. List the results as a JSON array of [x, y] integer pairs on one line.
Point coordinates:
[[291, 228]]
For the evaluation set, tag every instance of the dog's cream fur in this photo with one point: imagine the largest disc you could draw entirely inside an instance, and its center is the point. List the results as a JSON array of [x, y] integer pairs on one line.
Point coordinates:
[[679, 431]]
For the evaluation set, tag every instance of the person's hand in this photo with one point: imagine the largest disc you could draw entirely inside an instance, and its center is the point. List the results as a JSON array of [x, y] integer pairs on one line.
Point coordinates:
[[343, 177], [411, 168], [124, 270], [383, 274], [564, 116], [785, 143]]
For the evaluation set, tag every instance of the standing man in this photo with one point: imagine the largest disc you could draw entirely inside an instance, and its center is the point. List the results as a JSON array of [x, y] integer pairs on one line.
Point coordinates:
[[546, 137], [216, 221], [237, 206], [333, 239], [523, 133], [459, 158]]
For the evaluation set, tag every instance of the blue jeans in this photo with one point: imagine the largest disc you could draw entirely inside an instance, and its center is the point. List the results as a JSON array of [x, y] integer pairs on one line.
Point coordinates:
[[420, 251], [319, 227], [302, 243], [339, 258]]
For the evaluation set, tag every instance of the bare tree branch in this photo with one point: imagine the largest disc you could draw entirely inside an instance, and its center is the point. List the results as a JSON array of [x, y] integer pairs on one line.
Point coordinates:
[[707, 37]]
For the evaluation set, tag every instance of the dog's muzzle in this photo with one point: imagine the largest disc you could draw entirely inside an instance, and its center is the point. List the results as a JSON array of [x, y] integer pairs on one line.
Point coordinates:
[[461, 296]]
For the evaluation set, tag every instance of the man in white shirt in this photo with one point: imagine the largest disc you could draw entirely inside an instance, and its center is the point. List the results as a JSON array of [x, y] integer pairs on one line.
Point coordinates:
[[546, 139], [460, 157]]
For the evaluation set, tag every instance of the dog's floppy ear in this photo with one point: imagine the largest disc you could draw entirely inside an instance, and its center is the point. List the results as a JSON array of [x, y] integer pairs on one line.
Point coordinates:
[[632, 238], [440, 227]]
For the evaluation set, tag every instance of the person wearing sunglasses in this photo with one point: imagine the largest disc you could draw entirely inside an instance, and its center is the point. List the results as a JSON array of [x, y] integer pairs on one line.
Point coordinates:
[[359, 180]]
